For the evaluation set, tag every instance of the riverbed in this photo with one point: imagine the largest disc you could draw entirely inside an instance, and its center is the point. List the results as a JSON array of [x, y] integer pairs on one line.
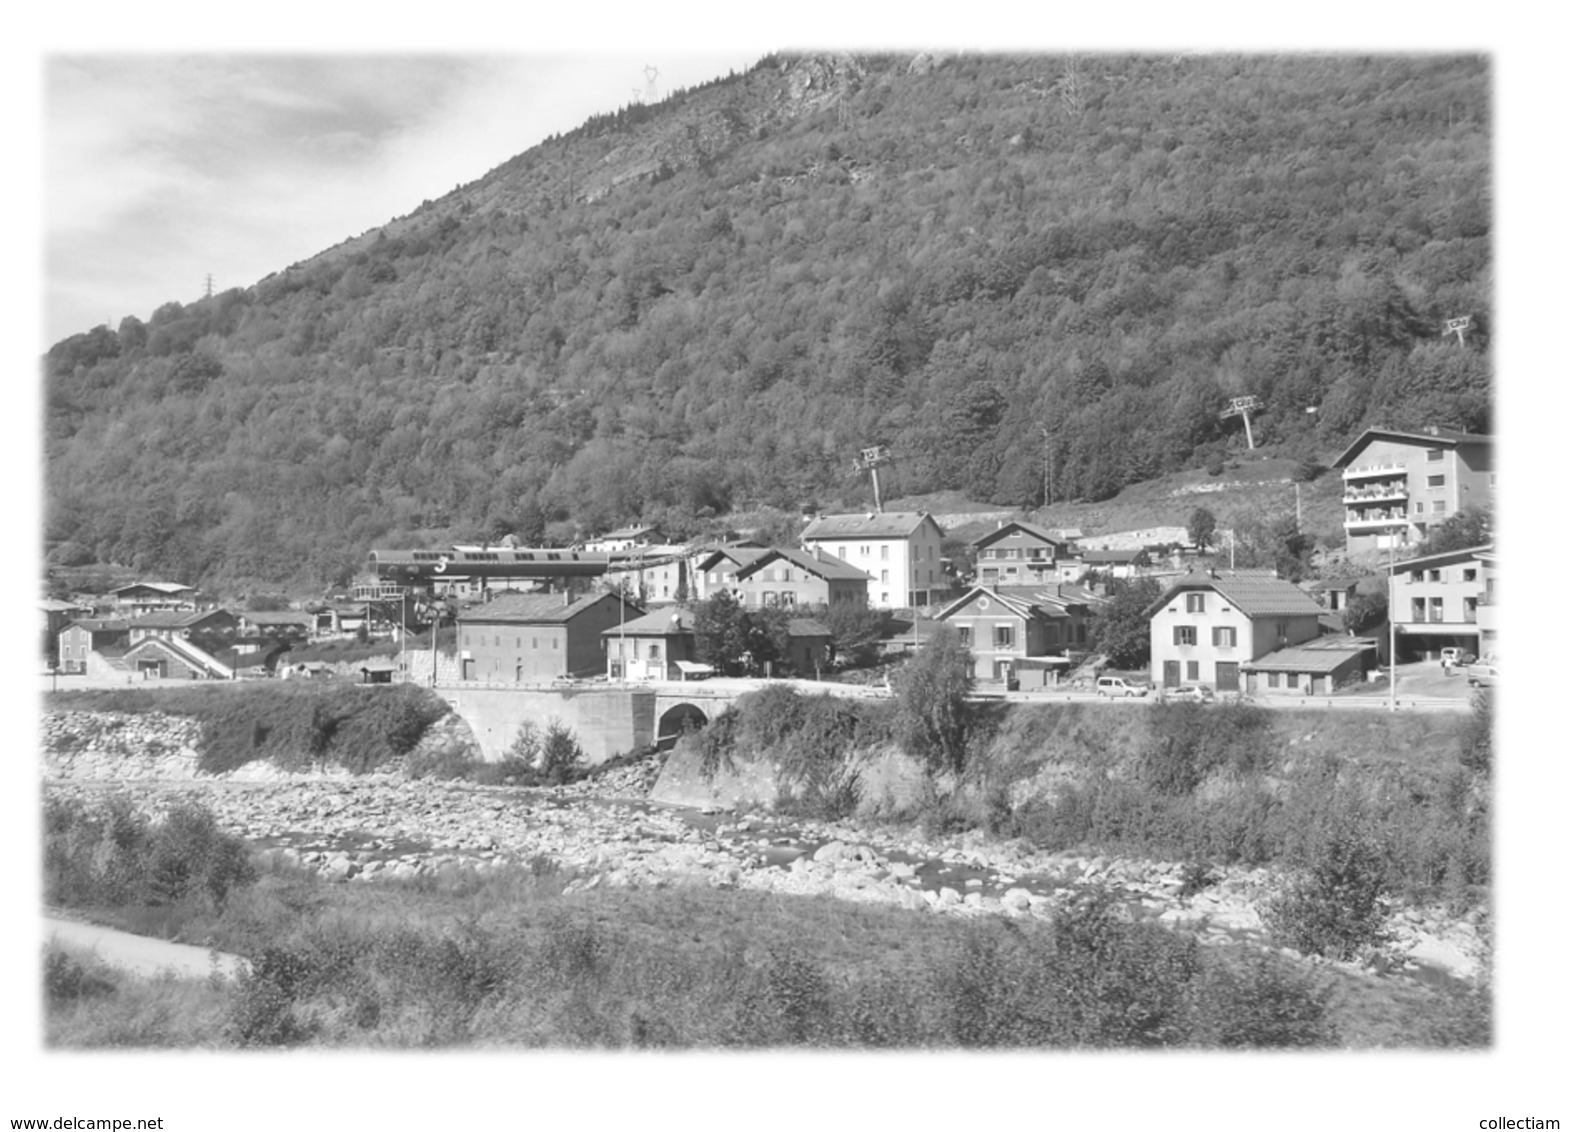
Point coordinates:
[[373, 828]]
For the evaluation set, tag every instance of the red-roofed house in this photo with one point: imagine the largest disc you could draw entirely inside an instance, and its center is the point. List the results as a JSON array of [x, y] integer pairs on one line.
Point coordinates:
[[1207, 625]]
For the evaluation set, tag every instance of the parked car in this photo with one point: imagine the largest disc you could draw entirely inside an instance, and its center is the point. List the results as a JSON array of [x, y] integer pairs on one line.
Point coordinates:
[[1483, 675], [1456, 658], [1118, 686], [1191, 694]]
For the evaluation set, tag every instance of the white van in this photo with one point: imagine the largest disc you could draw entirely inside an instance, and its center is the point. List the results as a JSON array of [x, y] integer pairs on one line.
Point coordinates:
[[1118, 686]]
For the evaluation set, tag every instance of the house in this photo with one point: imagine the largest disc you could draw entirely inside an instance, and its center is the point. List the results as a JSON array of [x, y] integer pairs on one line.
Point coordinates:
[[1446, 600], [809, 646], [266, 627], [86, 636], [1004, 626], [1017, 553], [624, 538], [210, 628], [520, 637], [1401, 483], [377, 670], [659, 574], [173, 657], [140, 598], [716, 569], [654, 646], [1205, 626], [1334, 594], [1314, 668], [898, 549], [56, 616], [791, 578]]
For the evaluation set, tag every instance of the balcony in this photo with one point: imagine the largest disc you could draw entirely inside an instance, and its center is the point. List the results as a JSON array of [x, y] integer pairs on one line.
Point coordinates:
[[1376, 518], [1376, 492], [1371, 470]]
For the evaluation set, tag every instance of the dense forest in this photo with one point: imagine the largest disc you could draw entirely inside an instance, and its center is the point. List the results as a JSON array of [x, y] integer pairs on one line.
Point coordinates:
[[1026, 275]]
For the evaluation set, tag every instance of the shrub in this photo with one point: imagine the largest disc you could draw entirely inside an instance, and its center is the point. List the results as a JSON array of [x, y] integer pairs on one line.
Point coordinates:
[[1260, 1002], [67, 979], [931, 690], [1334, 907], [561, 758], [117, 856], [261, 1011]]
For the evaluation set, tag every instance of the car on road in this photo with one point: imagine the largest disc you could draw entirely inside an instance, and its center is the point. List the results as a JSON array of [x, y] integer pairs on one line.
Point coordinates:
[[1118, 686], [1456, 658], [1483, 675], [1191, 694]]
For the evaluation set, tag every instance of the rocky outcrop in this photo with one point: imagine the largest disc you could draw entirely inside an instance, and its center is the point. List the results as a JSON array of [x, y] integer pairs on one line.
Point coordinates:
[[116, 746]]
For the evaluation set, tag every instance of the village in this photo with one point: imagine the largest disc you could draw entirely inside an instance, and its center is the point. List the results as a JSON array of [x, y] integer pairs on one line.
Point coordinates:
[[1023, 598]]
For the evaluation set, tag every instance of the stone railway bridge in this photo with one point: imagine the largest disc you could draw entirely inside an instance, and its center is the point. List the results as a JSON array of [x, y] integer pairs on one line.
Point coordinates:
[[608, 719]]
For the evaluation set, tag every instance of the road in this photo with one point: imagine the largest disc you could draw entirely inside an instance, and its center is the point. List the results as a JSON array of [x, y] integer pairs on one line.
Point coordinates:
[[140, 955]]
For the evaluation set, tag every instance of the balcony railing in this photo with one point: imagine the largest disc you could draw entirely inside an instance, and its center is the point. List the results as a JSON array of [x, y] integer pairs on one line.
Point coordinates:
[[1375, 470], [1376, 492], [1378, 517]]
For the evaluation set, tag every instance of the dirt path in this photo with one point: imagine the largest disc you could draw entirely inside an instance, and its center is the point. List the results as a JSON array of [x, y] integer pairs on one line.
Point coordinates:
[[139, 954]]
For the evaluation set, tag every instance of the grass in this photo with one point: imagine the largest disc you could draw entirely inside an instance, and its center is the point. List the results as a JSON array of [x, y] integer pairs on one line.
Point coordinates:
[[506, 959]]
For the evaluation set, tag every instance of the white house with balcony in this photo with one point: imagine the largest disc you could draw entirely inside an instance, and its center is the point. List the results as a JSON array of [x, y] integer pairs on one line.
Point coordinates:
[[1446, 600], [1399, 484]]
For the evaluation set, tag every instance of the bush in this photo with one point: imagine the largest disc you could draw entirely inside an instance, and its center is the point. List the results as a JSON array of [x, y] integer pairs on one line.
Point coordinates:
[[115, 856], [1260, 1002], [1334, 907], [261, 1012], [932, 715], [67, 979]]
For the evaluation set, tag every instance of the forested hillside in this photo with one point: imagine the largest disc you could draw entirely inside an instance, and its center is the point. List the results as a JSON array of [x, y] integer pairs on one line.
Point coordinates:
[[1022, 274]]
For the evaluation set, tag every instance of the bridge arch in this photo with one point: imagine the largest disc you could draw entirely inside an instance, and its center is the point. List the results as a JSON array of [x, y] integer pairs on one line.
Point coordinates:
[[675, 720]]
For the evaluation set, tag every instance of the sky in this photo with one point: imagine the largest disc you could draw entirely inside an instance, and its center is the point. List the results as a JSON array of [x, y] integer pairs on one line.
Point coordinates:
[[163, 142], [162, 170]]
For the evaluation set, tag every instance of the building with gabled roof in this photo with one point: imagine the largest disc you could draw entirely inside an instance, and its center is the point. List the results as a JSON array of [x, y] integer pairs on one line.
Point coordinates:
[[899, 550], [653, 646], [716, 569], [786, 577], [1018, 553], [1004, 626], [85, 636], [1397, 483], [1205, 626], [519, 638], [138, 598], [623, 538]]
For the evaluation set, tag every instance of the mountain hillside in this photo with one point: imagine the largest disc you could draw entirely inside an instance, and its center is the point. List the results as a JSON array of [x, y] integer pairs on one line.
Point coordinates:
[[1037, 279]]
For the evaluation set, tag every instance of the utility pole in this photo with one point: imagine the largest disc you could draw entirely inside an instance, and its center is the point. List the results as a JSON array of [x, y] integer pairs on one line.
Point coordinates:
[[209, 292], [1047, 468]]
